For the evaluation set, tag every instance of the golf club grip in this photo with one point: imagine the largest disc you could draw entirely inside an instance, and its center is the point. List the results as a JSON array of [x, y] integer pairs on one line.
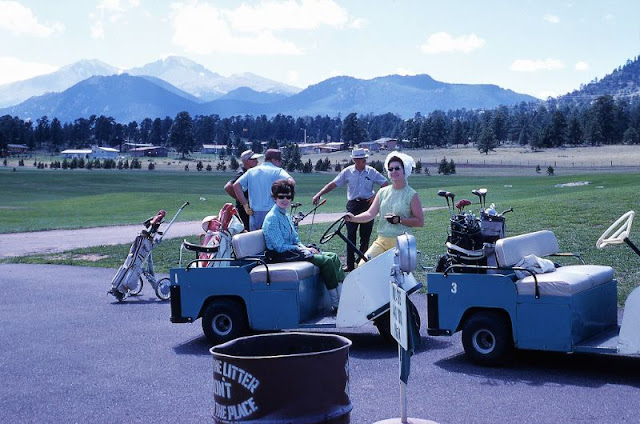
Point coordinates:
[[184, 205], [322, 202]]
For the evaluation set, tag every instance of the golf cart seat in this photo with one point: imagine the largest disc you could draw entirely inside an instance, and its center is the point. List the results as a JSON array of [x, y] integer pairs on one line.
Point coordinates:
[[563, 281], [252, 244]]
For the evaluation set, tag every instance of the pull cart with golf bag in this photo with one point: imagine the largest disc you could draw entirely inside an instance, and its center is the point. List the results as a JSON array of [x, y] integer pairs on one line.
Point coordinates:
[[571, 308], [128, 280]]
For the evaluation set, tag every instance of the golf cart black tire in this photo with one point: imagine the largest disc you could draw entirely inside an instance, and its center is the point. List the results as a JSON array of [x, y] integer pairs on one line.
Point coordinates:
[[487, 338], [383, 324], [224, 320], [163, 281]]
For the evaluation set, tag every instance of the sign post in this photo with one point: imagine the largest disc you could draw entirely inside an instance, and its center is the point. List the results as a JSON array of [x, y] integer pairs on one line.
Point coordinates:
[[399, 327]]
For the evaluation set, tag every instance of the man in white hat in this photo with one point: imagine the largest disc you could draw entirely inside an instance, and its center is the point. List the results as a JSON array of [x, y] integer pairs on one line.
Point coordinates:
[[359, 179], [249, 160]]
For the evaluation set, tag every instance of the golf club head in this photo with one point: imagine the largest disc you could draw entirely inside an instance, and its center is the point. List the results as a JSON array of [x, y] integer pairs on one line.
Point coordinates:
[[451, 195], [443, 193], [483, 192]]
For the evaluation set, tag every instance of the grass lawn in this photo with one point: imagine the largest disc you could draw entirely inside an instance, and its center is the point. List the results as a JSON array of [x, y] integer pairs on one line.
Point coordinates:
[[578, 214]]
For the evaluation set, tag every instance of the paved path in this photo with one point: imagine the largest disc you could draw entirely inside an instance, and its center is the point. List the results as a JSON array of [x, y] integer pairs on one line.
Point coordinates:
[[39, 242], [43, 242]]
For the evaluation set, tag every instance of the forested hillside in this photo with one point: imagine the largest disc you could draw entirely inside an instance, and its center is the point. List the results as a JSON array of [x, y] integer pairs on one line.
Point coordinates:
[[603, 112]]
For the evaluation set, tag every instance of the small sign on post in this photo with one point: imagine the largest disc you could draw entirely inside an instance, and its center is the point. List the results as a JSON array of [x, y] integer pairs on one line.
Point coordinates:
[[398, 319]]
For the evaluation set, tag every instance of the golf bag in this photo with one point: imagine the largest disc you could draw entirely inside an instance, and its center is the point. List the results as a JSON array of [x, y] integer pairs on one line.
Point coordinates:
[[215, 243], [465, 244], [128, 276], [128, 280]]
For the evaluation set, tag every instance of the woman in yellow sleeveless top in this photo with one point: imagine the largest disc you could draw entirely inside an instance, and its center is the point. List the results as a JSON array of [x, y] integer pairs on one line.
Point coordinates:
[[397, 204]]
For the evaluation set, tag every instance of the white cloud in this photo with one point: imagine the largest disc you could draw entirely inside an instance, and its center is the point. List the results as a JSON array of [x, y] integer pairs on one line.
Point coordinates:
[[544, 95], [14, 69], [111, 11], [204, 29], [19, 20], [553, 19], [582, 66], [289, 14], [405, 71], [442, 42], [528, 65]]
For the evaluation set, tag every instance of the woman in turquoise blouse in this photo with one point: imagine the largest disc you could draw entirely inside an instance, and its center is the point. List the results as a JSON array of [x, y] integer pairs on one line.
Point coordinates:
[[281, 236]]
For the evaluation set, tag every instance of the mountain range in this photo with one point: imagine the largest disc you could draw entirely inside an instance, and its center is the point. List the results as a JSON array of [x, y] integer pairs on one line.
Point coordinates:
[[168, 86]]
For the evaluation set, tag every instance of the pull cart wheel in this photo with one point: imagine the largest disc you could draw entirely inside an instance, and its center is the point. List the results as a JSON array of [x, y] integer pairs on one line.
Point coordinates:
[[163, 290], [487, 338], [224, 320], [138, 288]]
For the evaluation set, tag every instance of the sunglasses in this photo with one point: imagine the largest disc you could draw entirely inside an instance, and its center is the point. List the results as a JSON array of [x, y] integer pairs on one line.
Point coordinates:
[[284, 196], [394, 168]]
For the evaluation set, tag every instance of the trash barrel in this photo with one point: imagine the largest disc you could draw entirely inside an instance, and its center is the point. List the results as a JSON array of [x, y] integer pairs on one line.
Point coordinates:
[[297, 378]]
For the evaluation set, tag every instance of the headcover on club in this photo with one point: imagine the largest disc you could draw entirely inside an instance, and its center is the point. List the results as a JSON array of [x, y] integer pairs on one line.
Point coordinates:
[[462, 203]]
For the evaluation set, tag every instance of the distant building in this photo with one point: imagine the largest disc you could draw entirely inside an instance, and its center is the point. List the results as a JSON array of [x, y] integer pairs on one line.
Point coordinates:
[[98, 152], [129, 146], [75, 153], [214, 149], [17, 149], [152, 151]]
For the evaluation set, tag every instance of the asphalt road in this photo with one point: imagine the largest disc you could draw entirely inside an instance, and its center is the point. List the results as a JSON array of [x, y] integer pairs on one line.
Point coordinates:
[[69, 353]]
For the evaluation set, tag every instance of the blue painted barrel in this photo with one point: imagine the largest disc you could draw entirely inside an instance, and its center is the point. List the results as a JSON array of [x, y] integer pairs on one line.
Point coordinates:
[[300, 378]]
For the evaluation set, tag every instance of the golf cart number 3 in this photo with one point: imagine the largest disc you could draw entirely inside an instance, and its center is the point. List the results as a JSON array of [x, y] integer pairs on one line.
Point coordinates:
[[454, 288]]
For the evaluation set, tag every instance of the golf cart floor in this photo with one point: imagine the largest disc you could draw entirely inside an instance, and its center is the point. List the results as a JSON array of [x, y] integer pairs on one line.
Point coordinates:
[[604, 342], [320, 321]]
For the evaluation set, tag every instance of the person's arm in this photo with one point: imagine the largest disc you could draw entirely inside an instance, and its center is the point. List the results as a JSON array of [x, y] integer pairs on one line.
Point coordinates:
[[367, 215], [417, 214], [228, 187], [326, 189], [237, 189]]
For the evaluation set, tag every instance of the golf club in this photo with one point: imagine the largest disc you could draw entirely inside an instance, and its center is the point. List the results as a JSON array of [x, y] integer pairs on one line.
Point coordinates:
[[452, 196], [477, 193], [443, 193], [483, 192]]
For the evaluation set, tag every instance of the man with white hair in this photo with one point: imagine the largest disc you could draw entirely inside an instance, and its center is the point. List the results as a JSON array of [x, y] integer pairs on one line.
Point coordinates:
[[249, 160], [258, 181], [359, 179]]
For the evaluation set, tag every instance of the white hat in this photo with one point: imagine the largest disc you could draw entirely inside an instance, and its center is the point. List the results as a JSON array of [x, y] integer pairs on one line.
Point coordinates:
[[359, 154], [248, 155], [407, 163]]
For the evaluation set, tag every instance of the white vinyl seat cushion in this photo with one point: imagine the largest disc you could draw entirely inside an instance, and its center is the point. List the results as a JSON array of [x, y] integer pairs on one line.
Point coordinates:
[[564, 281]]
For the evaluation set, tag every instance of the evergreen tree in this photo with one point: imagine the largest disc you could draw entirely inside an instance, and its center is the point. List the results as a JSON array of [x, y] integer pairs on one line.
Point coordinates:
[[182, 137], [487, 140]]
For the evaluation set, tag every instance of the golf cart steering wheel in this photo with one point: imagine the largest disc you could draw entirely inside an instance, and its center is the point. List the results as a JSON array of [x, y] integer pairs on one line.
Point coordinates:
[[331, 231], [335, 229], [617, 232]]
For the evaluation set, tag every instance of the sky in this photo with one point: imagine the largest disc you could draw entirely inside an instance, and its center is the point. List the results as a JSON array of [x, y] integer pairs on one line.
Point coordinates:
[[538, 47]]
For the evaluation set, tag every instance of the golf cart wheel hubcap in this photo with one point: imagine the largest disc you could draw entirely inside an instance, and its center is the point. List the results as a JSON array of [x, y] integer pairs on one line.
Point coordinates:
[[484, 341], [222, 324]]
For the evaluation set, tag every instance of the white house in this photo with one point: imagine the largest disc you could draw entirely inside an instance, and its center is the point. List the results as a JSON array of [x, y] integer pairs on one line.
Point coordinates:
[[75, 153], [98, 152]]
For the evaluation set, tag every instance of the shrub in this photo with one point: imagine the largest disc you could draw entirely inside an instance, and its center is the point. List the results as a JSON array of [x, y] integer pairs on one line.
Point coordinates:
[[151, 166], [550, 171]]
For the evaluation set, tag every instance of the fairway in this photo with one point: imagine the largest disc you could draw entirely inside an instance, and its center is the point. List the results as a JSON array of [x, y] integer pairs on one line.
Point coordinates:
[[577, 213]]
